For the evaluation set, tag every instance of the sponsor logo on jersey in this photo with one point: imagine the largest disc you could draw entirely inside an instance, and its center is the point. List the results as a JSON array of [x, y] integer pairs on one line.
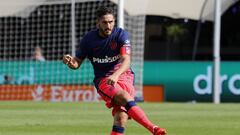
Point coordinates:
[[106, 59]]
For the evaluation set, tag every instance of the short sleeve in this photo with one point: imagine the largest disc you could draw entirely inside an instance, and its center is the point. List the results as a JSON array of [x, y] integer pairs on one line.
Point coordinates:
[[124, 39], [125, 43], [81, 51]]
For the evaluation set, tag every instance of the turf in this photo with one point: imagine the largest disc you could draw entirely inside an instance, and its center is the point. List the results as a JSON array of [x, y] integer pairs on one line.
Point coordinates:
[[45, 118]]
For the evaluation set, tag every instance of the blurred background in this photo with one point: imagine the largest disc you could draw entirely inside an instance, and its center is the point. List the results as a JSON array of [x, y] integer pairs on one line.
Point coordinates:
[[172, 49]]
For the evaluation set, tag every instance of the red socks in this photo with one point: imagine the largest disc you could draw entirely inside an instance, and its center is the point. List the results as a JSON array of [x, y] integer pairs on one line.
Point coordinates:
[[138, 115]]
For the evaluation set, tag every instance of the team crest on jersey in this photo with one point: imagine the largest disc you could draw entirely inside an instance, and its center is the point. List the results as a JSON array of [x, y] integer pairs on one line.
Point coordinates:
[[113, 45]]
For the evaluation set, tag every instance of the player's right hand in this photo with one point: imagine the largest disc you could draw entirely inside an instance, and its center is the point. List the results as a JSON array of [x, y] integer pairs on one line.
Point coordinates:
[[67, 59]]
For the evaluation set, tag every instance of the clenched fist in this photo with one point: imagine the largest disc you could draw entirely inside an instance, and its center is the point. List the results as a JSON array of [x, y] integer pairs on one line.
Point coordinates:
[[67, 59], [72, 62]]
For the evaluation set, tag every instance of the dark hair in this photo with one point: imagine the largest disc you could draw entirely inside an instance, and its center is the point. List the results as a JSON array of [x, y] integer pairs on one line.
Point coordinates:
[[101, 11]]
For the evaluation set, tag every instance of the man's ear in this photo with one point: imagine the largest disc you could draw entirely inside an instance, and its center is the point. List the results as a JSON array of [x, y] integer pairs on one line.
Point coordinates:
[[97, 23]]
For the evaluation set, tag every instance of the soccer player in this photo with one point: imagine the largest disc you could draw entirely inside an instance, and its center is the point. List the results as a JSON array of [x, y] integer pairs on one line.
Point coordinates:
[[108, 48]]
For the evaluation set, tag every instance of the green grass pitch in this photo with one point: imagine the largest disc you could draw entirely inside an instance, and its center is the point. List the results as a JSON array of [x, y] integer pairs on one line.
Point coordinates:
[[46, 118]]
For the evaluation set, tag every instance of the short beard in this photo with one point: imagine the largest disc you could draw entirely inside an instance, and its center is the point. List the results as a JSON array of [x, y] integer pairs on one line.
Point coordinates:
[[102, 32]]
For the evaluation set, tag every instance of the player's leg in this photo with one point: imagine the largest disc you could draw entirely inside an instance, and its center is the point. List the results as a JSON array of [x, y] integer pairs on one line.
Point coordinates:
[[120, 116], [119, 122], [122, 98], [125, 98], [122, 94]]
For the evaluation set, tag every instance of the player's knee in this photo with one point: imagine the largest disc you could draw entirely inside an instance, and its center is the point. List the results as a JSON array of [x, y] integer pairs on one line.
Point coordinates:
[[130, 104], [122, 98], [120, 119], [121, 122]]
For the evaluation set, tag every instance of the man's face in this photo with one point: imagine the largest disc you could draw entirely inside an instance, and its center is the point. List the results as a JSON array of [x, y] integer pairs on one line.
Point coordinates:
[[106, 24]]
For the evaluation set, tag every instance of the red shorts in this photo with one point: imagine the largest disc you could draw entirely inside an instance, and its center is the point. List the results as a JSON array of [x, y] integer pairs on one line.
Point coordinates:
[[107, 92]]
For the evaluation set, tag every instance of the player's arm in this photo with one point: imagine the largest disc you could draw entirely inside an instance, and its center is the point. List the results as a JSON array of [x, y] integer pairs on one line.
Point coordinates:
[[126, 61], [125, 52], [72, 62]]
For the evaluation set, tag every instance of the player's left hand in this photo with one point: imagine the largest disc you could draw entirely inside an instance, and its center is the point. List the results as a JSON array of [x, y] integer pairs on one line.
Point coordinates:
[[112, 79]]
